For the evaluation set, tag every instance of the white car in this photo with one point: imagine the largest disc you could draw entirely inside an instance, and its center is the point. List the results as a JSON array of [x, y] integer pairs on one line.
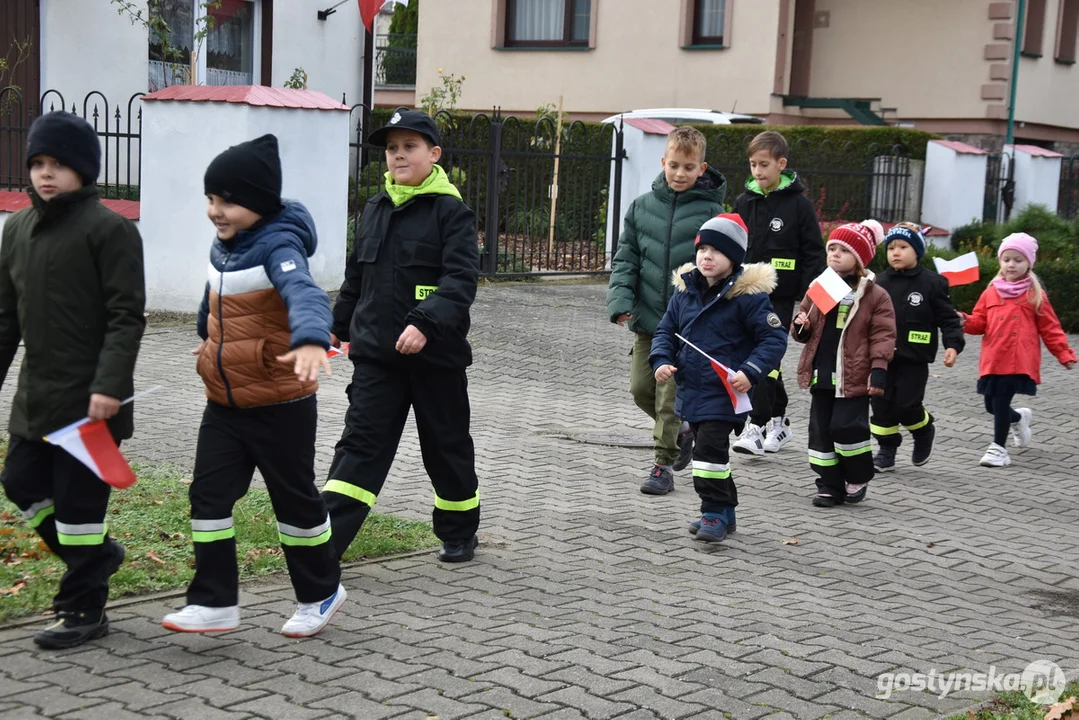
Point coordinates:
[[689, 116]]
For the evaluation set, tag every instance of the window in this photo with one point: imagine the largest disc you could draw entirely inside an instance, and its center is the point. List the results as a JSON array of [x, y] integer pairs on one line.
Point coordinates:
[[1067, 31], [229, 54], [709, 21], [547, 23], [1034, 28]]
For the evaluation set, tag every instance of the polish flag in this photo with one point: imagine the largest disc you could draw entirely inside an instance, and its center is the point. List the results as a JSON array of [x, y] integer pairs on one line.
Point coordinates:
[[370, 8], [335, 351], [92, 444], [827, 290], [963, 270], [739, 400]]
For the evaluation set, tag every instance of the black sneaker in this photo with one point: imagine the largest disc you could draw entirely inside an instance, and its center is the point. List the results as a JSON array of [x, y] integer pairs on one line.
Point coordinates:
[[856, 497], [660, 482], [884, 460], [825, 501], [685, 450], [455, 551], [72, 629], [923, 445]]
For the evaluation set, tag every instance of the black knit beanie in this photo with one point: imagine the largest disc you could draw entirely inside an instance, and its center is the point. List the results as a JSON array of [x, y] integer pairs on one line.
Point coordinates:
[[248, 174], [69, 139]]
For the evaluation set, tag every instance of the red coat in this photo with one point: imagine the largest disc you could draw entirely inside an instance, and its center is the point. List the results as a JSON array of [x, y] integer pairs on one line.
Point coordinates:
[[1012, 330]]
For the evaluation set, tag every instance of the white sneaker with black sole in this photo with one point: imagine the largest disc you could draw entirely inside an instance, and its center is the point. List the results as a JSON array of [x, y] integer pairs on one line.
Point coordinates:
[[996, 456], [750, 442], [1021, 430], [778, 434]]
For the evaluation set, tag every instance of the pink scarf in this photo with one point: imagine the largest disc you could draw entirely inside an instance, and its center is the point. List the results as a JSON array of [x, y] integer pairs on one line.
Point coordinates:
[[1009, 290]]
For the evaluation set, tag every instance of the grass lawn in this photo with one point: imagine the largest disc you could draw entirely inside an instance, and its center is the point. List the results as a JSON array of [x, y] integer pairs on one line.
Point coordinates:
[[1016, 706], [151, 520]]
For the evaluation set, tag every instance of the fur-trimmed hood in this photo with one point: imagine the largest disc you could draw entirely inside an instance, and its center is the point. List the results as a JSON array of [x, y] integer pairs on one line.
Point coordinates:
[[755, 278]]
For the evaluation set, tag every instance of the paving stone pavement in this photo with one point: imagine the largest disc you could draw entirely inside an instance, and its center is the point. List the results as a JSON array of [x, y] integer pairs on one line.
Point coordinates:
[[588, 599]]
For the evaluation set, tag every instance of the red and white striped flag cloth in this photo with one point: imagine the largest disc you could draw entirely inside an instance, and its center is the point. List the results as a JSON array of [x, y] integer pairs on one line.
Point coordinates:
[[827, 290], [91, 443], [739, 400], [963, 270], [335, 351]]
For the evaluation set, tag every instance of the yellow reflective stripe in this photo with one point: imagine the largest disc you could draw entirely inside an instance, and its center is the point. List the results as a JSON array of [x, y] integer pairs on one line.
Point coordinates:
[[422, 291], [294, 541], [36, 513], [918, 425], [920, 337], [854, 448], [84, 534], [203, 536], [824, 459], [715, 474], [879, 430], [356, 493], [784, 263], [458, 505], [774, 374]]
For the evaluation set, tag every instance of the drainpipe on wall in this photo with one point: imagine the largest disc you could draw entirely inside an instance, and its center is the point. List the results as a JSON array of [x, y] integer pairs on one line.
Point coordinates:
[[1017, 47]]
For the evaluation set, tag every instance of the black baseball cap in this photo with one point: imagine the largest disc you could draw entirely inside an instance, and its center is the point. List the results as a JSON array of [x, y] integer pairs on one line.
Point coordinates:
[[415, 120]]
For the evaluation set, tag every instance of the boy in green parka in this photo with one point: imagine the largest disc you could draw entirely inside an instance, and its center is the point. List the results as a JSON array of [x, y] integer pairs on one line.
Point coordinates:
[[660, 228], [72, 290]]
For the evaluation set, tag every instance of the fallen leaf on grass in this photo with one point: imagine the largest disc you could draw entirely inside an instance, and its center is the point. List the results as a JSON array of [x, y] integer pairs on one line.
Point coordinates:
[[157, 502], [791, 541], [186, 481], [14, 589], [1063, 709], [153, 556], [12, 561]]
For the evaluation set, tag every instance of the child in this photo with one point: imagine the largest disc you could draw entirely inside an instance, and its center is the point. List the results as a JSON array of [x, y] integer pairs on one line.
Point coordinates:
[[659, 230], [261, 309], [1012, 314], [722, 307], [922, 304], [404, 306], [783, 231], [70, 274], [845, 361]]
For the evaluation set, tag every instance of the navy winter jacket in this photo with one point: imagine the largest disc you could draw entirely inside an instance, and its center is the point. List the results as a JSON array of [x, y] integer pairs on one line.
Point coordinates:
[[737, 327]]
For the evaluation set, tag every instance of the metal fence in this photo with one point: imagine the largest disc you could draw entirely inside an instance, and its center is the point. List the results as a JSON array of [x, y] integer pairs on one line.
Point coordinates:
[[999, 188], [395, 60], [119, 128], [1068, 199], [504, 168]]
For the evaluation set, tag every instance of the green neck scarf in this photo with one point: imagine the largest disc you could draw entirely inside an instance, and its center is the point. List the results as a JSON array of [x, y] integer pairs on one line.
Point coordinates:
[[437, 183]]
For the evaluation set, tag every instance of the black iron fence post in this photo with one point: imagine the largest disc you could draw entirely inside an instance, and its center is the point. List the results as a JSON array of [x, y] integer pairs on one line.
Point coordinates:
[[489, 264]]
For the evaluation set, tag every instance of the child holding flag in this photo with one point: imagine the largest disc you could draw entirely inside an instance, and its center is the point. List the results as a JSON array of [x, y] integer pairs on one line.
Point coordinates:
[[1014, 316], [849, 336], [722, 308], [922, 305], [70, 272]]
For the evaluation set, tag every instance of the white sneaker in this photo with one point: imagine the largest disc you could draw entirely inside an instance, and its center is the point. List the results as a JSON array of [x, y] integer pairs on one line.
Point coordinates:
[[779, 434], [1021, 430], [310, 618], [199, 618], [996, 456], [750, 442]]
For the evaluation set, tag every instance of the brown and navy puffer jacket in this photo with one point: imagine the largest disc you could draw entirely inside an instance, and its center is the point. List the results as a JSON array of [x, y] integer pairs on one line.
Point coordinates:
[[260, 302]]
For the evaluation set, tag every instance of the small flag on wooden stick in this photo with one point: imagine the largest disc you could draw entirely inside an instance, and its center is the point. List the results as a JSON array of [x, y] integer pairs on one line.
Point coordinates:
[[739, 400], [827, 291], [963, 270]]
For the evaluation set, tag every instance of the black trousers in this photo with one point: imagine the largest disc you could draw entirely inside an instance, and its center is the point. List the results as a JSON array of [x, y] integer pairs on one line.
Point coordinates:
[[840, 450], [712, 465], [769, 396], [901, 404], [380, 396], [279, 440], [1000, 407], [65, 502]]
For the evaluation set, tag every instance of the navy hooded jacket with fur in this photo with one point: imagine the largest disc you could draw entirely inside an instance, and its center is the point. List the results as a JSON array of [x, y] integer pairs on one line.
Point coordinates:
[[738, 327]]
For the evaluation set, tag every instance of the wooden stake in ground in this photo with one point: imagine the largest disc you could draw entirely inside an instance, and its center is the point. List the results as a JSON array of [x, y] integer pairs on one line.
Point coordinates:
[[554, 182]]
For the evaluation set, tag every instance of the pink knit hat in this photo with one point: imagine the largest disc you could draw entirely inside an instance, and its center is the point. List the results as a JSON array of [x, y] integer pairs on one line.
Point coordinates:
[[860, 238], [1023, 244]]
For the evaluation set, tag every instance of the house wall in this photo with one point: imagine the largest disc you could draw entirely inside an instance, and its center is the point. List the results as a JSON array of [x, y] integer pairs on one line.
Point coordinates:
[[330, 50], [1047, 90], [637, 60]]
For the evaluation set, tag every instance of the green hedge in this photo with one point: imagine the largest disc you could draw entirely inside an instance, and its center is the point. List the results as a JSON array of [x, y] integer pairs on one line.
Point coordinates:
[[1057, 265]]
